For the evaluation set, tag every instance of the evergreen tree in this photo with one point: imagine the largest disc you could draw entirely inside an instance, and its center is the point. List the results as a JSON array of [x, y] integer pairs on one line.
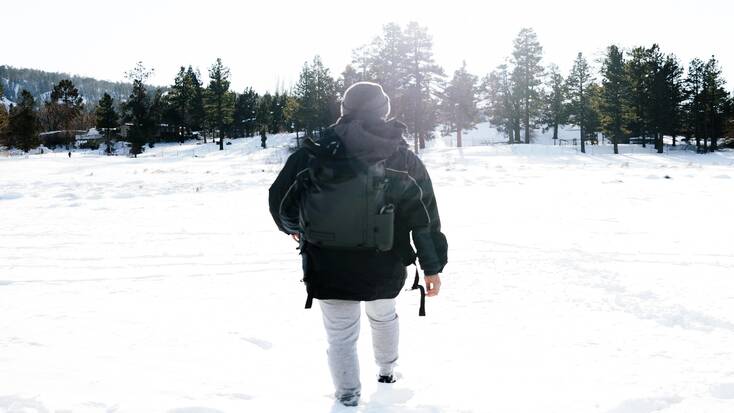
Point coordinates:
[[292, 108], [22, 129], [219, 111], [614, 101], [386, 64], [528, 74], [316, 93], [185, 102], [555, 112], [579, 81], [459, 106], [637, 74], [107, 119], [137, 110], [694, 107], [196, 110], [3, 120], [64, 107], [421, 78], [264, 115], [503, 106], [245, 111], [349, 77], [715, 101], [277, 108]]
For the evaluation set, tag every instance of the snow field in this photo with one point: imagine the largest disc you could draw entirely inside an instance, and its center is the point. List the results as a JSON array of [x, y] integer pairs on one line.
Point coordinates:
[[576, 283]]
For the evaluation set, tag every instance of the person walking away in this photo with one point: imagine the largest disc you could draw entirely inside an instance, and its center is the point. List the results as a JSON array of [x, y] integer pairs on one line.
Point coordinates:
[[353, 199]]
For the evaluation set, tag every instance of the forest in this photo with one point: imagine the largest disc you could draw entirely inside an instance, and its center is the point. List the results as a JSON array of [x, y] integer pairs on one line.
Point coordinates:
[[642, 95]]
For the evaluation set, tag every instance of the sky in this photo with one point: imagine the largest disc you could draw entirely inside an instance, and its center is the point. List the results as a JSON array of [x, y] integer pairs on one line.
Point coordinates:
[[266, 42]]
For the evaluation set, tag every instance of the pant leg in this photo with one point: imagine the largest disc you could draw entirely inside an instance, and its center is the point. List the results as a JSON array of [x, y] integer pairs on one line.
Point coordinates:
[[385, 333], [341, 320]]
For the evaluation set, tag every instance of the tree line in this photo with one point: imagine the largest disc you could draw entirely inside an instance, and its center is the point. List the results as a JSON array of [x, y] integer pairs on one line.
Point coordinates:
[[637, 95], [642, 94]]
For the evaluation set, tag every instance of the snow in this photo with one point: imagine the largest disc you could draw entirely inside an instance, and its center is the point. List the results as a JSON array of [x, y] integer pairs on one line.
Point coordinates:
[[576, 283], [6, 102]]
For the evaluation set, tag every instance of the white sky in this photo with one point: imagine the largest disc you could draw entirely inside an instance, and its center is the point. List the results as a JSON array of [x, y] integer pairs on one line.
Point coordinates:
[[267, 41]]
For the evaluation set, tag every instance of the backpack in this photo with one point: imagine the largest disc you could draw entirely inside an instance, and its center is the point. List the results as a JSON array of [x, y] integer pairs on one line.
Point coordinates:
[[345, 204]]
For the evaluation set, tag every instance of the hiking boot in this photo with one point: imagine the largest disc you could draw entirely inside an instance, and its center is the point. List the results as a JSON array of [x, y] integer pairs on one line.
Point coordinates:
[[349, 400], [389, 379]]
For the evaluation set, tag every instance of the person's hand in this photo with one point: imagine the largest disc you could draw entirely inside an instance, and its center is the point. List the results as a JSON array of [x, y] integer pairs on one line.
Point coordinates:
[[433, 285], [296, 237]]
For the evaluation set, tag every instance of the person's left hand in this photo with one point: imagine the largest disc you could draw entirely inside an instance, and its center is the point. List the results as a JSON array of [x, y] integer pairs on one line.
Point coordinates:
[[296, 237], [433, 285]]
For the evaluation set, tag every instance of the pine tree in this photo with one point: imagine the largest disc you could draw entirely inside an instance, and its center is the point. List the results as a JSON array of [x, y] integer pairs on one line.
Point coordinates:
[[637, 75], [579, 82], [264, 114], [5, 138], [64, 107], [459, 106], [107, 119], [3, 120], [219, 112], [245, 111], [137, 110], [693, 107], [503, 106], [316, 93], [22, 129], [421, 78], [614, 101], [715, 99], [292, 107], [528, 74], [386, 64], [349, 77], [555, 112]]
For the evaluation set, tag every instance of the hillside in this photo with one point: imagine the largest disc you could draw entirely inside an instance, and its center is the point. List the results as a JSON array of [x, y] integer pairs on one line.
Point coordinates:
[[40, 84]]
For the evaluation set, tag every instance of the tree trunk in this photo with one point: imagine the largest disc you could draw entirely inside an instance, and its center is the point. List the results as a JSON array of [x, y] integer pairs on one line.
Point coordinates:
[[415, 142], [583, 144], [555, 133], [511, 133], [458, 137], [527, 121], [422, 141], [615, 142], [660, 142]]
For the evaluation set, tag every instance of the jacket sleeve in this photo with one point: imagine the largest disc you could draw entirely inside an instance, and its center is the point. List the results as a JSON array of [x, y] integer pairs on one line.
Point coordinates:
[[421, 213], [283, 199]]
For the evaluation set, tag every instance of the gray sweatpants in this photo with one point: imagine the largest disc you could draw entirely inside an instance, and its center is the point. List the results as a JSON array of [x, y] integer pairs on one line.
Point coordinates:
[[341, 319]]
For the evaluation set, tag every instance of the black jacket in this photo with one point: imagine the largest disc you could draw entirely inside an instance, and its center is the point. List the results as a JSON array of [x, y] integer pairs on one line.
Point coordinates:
[[366, 275]]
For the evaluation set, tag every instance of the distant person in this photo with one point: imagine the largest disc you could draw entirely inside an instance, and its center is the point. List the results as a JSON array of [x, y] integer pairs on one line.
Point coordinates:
[[264, 138], [351, 200], [69, 154]]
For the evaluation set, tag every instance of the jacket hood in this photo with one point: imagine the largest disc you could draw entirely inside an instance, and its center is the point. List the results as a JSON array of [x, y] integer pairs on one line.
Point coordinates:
[[369, 140]]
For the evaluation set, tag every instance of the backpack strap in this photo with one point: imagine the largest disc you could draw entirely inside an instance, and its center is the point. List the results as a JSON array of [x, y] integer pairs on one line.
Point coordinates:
[[309, 301], [417, 286]]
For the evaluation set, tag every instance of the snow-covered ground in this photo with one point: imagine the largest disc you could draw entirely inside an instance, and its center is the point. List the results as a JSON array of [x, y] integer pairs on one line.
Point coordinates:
[[576, 283]]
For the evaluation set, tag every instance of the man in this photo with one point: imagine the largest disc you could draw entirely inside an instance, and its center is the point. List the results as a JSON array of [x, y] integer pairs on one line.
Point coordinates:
[[352, 199]]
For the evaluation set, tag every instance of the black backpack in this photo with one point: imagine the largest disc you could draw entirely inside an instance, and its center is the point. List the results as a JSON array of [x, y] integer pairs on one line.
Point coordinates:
[[346, 204]]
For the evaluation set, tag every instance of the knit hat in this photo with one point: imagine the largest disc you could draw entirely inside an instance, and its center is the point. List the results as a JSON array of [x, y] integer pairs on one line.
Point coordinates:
[[366, 100]]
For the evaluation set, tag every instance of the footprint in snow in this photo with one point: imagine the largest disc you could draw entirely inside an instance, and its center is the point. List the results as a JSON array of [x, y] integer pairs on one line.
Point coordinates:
[[263, 344]]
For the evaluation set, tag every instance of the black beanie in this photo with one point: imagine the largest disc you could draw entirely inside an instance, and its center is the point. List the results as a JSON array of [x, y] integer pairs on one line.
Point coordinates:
[[365, 100]]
